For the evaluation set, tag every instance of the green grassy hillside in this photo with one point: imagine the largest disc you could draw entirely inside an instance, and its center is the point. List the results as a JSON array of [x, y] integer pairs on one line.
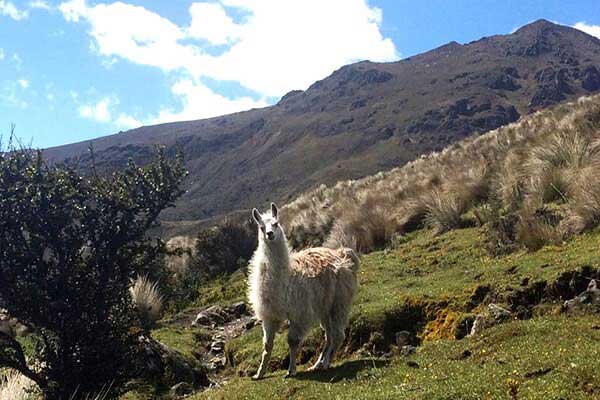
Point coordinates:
[[433, 286]]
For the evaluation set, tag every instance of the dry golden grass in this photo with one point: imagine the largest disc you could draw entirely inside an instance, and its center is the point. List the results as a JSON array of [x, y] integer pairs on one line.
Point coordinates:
[[147, 300], [16, 386], [550, 157]]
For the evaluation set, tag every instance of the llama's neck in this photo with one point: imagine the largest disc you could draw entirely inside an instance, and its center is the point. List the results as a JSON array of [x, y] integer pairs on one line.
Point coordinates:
[[277, 255]]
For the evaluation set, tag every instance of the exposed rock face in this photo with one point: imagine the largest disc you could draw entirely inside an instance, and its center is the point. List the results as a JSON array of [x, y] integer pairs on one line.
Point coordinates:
[[364, 118], [591, 79]]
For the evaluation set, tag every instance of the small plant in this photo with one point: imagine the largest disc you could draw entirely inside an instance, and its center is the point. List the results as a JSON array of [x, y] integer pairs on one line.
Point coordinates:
[[16, 386], [147, 300], [513, 388]]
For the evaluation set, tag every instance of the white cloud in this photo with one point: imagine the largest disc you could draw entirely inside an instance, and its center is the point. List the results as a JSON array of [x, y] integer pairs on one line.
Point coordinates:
[[99, 111], [9, 9], [24, 83], [125, 121], [278, 45], [199, 101], [133, 33], [290, 44], [1, 54], [40, 4], [211, 22], [593, 30]]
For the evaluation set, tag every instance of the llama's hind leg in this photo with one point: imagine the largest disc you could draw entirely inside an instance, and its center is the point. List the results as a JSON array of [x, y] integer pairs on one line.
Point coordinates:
[[296, 334], [269, 330], [337, 338], [338, 320], [319, 364]]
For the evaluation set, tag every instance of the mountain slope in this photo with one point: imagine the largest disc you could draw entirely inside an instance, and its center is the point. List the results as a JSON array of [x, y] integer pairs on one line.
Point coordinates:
[[363, 118]]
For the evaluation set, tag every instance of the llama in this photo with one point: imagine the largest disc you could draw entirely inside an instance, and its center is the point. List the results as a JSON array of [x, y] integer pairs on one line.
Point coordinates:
[[308, 287]]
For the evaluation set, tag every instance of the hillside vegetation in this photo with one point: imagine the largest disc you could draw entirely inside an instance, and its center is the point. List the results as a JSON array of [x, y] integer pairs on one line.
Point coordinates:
[[433, 286], [531, 183], [506, 221]]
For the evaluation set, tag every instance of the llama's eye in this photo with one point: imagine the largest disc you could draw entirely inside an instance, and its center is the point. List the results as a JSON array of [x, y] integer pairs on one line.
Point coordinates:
[[275, 224]]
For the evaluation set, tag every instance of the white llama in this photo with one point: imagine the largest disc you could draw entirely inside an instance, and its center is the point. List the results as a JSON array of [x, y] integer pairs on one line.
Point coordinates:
[[308, 287]]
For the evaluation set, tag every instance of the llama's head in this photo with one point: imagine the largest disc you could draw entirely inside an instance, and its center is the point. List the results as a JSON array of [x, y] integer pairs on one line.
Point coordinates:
[[268, 224]]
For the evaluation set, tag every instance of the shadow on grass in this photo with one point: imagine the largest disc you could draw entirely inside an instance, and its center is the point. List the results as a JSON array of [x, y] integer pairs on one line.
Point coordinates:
[[346, 371]]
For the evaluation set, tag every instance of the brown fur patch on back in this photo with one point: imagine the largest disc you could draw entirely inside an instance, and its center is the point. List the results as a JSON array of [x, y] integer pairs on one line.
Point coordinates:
[[316, 260]]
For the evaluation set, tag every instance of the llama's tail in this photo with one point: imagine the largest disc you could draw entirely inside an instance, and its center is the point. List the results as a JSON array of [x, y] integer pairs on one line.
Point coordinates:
[[348, 252]]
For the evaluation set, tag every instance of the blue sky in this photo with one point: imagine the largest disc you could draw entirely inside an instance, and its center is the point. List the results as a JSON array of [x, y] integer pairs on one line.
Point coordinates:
[[77, 69]]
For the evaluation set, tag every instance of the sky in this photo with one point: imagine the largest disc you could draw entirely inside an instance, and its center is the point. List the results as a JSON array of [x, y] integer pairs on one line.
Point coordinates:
[[74, 70]]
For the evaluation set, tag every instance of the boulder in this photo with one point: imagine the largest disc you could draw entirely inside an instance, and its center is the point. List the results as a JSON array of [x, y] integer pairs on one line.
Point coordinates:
[[499, 313], [216, 315], [407, 350], [404, 338], [158, 361], [589, 296], [11, 326], [212, 316], [481, 322], [238, 309], [181, 389], [494, 315]]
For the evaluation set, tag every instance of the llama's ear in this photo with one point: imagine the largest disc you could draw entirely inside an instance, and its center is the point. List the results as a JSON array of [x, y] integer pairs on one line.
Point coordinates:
[[274, 210], [257, 217]]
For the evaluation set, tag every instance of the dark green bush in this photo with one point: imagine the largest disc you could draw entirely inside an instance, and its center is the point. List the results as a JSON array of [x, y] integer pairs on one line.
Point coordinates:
[[227, 247], [69, 245]]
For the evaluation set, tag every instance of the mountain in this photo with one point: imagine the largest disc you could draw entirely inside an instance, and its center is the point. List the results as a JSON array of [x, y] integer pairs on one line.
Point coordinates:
[[363, 118]]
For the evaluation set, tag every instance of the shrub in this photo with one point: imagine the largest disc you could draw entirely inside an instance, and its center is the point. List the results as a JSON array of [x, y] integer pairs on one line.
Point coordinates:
[[226, 247], [69, 246], [147, 300]]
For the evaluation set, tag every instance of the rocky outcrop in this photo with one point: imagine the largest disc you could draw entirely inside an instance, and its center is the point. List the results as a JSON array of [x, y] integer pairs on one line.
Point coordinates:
[[159, 363], [589, 297], [11, 326], [494, 315], [217, 315]]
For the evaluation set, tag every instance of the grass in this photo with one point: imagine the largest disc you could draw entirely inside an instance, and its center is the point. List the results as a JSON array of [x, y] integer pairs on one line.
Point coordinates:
[[429, 284], [408, 288], [147, 300], [553, 357]]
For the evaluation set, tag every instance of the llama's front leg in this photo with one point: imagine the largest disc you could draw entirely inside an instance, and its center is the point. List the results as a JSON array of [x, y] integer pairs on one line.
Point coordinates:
[[269, 330], [295, 336]]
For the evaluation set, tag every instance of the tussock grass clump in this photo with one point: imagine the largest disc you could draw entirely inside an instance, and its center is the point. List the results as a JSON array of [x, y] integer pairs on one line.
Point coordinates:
[[147, 300], [535, 230], [16, 386], [585, 202], [551, 157], [444, 211]]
